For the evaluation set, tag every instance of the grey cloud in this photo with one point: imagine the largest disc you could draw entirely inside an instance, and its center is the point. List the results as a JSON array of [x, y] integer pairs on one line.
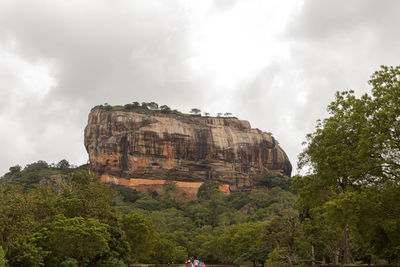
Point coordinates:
[[98, 52], [323, 19], [104, 49], [123, 51], [334, 45]]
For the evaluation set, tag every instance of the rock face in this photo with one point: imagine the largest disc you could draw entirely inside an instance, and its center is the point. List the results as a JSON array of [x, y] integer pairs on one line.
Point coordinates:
[[140, 149]]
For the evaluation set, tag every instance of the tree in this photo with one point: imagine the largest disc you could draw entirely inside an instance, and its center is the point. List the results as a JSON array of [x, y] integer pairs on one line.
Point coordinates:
[[249, 245], [219, 114], [164, 251], [195, 111], [283, 232], [171, 220], [3, 260], [36, 166], [145, 105], [165, 109], [358, 146], [75, 238], [128, 106], [323, 238], [17, 220], [271, 180], [140, 236], [107, 106], [87, 197], [362, 133], [207, 189], [63, 164], [26, 255], [14, 170], [152, 105], [206, 114], [227, 114], [385, 123]]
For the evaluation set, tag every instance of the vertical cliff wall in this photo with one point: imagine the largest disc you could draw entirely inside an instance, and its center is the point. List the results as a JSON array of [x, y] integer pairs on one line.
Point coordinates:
[[153, 147]]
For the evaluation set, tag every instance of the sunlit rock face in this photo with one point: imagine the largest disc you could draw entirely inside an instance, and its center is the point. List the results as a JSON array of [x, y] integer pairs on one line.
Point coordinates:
[[126, 147]]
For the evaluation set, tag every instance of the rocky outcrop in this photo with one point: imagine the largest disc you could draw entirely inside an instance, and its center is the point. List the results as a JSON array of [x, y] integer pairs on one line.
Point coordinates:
[[132, 148]]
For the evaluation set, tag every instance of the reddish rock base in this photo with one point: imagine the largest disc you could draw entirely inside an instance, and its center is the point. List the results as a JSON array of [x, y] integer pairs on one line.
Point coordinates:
[[148, 186]]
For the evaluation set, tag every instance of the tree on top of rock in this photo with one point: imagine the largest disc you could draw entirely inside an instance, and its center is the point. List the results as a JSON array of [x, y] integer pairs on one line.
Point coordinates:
[[195, 111]]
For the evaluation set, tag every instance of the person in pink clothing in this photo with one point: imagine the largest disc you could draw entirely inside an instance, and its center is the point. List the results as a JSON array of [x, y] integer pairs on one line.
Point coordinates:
[[202, 264]]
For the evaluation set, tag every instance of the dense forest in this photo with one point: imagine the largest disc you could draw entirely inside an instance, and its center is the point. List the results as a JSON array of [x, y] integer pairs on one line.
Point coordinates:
[[344, 208], [61, 216]]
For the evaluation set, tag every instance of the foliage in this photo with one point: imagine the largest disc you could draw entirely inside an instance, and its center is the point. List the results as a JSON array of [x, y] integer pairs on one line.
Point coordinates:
[[152, 108], [3, 260], [271, 180], [144, 107], [354, 167], [69, 262], [195, 111], [35, 172], [162, 230], [17, 220], [140, 236], [77, 238], [63, 164], [114, 262], [27, 255], [346, 206], [208, 189]]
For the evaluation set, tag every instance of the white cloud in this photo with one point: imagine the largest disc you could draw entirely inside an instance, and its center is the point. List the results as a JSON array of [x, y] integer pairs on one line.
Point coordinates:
[[232, 46], [274, 63], [24, 85]]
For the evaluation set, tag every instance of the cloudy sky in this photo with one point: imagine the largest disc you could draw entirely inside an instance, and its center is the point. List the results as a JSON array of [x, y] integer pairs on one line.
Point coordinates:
[[274, 63]]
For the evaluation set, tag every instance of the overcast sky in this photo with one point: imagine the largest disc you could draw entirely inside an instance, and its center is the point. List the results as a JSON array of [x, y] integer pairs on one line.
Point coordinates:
[[276, 64]]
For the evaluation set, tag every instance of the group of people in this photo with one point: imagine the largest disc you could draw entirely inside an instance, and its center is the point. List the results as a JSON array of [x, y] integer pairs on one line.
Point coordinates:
[[192, 262]]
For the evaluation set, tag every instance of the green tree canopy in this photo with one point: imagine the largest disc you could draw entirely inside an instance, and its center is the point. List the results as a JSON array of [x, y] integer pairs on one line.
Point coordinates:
[[77, 238], [140, 236], [195, 111], [355, 149]]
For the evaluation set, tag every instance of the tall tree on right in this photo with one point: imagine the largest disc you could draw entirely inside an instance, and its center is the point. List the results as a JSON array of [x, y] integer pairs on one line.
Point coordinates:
[[356, 147]]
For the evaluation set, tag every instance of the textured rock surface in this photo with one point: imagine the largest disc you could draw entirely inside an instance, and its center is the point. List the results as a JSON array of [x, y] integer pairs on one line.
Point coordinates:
[[130, 145]]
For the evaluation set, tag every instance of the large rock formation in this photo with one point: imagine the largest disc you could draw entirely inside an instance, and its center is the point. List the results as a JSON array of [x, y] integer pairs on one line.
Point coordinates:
[[143, 149]]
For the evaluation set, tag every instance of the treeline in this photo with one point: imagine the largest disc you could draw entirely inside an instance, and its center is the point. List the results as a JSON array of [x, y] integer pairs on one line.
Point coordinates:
[[151, 107], [34, 172], [80, 221], [143, 107]]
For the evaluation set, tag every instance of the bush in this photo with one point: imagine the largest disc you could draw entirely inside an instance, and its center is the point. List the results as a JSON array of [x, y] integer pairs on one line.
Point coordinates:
[[111, 262], [207, 189], [272, 180], [27, 255], [69, 263], [3, 260]]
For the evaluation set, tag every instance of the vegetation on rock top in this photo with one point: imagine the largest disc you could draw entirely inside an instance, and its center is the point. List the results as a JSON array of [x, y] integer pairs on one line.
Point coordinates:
[[152, 107]]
